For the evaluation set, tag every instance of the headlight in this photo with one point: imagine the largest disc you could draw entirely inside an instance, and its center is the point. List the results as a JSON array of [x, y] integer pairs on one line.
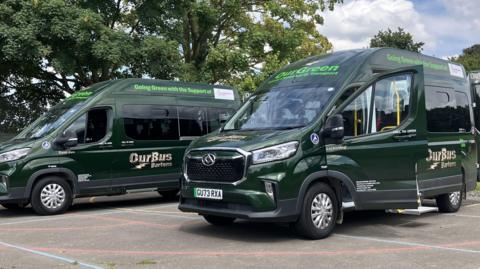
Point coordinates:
[[275, 153], [13, 155]]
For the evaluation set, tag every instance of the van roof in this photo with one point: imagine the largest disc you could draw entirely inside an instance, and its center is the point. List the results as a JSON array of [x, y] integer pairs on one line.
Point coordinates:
[[352, 66], [140, 86]]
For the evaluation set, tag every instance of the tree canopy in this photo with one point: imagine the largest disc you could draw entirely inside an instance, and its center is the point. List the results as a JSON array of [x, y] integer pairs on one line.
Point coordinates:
[[396, 39], [49, 48], [470, 58]]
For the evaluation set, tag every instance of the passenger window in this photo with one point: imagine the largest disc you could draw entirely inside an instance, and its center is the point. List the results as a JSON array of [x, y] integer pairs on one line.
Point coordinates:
[[217, 117], [461, 116], [91, 127], [150, 122], [356, 114], [447, 110], [193, 121], [392, 101]]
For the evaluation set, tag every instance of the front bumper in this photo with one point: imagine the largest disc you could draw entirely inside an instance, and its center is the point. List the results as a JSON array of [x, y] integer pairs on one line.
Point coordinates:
[[285, 211], [14, 195]]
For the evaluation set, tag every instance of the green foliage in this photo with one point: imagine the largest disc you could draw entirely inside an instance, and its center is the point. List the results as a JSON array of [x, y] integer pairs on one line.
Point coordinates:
[[49, 48], [470, 58], [399, 39]]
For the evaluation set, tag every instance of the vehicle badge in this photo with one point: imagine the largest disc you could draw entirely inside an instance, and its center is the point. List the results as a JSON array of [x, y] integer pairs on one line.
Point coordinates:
[[209, 159]]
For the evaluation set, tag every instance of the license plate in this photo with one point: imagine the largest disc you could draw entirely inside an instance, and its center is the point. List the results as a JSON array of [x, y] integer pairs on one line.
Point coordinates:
[[208, 193]]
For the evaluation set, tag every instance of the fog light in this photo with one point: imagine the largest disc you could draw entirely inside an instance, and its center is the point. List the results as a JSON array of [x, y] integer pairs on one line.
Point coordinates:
[[3, 183], [269, 189]]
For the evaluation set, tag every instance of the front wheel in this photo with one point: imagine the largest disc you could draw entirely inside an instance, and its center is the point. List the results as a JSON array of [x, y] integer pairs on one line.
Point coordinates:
[[450, 202], [51, 196], [219, 221], [319, 212]]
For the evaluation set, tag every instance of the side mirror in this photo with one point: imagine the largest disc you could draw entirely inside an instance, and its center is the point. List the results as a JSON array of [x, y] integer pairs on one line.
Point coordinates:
[[334, 127], [67, 139]]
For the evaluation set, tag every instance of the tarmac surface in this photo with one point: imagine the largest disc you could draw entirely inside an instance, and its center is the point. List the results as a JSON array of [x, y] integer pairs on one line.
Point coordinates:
[[146, 231]]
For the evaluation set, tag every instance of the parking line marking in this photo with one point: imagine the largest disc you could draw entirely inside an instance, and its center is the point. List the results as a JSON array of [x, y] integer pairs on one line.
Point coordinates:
[[52, 256], [151, 212], [412, 244], [66, 216], [472, 205], [463, 215]]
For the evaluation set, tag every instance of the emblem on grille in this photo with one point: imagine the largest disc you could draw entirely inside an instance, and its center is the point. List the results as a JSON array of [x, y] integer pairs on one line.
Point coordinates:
[[209, 159]]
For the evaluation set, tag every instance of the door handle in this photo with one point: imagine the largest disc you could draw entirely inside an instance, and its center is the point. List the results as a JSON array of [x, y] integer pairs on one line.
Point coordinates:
[[404, 136]]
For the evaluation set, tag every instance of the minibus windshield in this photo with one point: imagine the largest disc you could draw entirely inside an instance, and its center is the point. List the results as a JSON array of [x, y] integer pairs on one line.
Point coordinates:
[[281, 108], [51, 120]]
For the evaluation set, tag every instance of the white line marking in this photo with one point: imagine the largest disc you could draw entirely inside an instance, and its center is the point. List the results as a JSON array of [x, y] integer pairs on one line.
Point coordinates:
[[413, 244], [150, 212], [463, 215], [67, 216], [51, 256]]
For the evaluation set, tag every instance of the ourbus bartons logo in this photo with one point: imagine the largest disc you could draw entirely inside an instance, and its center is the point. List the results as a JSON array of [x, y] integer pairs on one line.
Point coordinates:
[[152, 160], [442, 159]]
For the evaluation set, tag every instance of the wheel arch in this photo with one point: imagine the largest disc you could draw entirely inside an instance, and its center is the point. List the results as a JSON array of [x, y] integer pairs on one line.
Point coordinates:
[[65, 173], [334, 179]]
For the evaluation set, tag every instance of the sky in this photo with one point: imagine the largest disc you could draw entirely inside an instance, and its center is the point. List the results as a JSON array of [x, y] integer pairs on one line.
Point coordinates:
[[446, 26]]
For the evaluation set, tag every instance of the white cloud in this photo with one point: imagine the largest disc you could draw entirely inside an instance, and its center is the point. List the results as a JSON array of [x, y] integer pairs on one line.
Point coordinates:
[[354, 23], [446, 26]]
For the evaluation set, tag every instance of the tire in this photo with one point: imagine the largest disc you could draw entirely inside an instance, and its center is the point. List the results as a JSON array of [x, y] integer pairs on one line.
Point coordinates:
[[322, 198], [56, 194], [169, 195], [219, 221], [450, 202], [18, 206]]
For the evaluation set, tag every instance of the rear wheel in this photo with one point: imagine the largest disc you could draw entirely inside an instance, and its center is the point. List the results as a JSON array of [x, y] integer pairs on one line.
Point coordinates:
[[450, 202], [319, 212], [169, 195], [17, 206], [219, 221], [51, 196]]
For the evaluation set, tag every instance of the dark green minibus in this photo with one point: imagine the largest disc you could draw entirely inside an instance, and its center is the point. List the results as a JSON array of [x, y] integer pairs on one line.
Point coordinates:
[[112, 138], [353, 130]]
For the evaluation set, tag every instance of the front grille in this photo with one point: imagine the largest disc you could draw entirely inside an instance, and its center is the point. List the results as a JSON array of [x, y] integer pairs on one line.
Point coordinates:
[[224, 170]]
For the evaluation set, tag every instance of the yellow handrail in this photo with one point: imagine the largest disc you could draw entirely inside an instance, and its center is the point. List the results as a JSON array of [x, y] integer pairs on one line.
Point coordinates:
[[397, 95]]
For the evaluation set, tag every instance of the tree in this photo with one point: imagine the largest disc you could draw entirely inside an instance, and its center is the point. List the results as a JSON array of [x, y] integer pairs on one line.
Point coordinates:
[[470, 58], [50, 48], [399, 39]]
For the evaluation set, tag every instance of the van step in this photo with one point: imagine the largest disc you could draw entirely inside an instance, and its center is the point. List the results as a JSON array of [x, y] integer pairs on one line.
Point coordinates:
[[419, 211]]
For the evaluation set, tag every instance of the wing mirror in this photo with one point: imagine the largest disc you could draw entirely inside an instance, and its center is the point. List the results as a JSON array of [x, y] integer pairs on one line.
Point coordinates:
[[67, 139], [334, 127]]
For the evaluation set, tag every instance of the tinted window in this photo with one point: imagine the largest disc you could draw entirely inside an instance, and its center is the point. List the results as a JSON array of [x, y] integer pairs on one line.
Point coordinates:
[[356, 114], [447, 110], [91, 127], [193, 121], [217, 117], [461, 117], [392, 100], [151, 122]]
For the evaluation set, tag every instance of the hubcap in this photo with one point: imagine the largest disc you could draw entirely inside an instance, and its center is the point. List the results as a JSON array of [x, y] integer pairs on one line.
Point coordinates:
[[322, 211], [52, 196], [454, 197]]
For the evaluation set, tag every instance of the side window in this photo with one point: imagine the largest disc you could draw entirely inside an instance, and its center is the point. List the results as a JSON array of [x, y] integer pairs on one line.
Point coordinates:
[[193, 121], [150, 122], [356, 114], [392, 102], [217, 116], [461, 115], [91, 127], [441, 109]]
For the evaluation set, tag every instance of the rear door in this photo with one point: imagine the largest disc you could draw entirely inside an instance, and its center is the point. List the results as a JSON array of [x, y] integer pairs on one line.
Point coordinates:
[[382, 144]]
